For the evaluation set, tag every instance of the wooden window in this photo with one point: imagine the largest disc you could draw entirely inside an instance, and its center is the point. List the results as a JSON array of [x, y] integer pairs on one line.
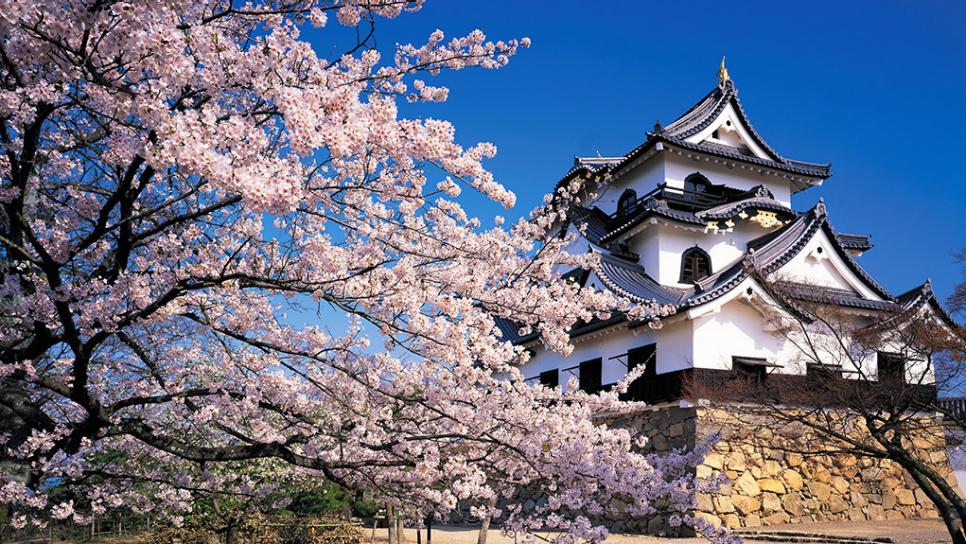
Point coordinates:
[[822, 372], [695, 185], [891, 367], [753, 373], [695, 265], [626, 202], [644, 387], [550, 378], [590, 375]]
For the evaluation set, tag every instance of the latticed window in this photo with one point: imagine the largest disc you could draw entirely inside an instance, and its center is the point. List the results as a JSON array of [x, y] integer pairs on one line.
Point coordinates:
[[695, 185], [627, 200], [695, 265]]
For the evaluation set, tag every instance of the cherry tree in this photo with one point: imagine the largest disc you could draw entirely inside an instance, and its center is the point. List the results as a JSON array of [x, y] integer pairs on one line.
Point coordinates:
[[181, 178]]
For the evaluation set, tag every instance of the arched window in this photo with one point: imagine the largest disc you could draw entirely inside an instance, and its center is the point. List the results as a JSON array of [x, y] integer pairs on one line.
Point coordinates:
[[626, 201], [695, 265], [694, 185]]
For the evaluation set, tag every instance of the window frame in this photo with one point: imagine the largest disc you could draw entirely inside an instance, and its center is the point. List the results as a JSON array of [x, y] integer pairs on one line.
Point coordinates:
[[697, 179], [626, 201], [544, 378], [688, 254], [591, 383], [896, 374]]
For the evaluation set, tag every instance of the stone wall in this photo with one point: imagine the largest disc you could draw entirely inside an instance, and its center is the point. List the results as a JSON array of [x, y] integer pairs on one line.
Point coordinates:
[[772, 484], [769, 484]]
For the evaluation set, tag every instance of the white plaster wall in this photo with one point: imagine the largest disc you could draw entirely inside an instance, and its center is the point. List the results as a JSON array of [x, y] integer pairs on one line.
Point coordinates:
[[643, 179], [661, 245], [825, 268], [678, 167], [675, 346], [730, 131], [736, 329], [590, 347]]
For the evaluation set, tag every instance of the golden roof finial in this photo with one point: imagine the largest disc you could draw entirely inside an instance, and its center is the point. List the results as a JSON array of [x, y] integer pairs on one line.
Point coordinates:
[[723, 72]]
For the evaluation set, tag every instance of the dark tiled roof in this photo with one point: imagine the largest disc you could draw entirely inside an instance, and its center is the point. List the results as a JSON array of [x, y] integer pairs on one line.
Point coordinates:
[[839, 297], [702, 114], [630, 280], [699, 117], [597, 222], [731, 209], [785, 165], [921, 295], [857, 242], [656, 207], [765, 255]]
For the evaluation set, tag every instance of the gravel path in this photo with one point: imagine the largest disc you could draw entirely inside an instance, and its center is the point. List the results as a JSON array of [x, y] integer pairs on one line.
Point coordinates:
[[901, 532]]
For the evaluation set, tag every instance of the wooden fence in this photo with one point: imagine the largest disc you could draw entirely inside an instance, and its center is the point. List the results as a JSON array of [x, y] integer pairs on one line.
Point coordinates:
[[953, 406], [118, 526]]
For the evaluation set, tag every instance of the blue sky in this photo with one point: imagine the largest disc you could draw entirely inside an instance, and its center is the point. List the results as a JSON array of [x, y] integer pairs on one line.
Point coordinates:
[[876, 88]]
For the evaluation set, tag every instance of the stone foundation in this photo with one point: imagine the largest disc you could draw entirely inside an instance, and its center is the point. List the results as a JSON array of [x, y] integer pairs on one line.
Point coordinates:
[[769, 485]]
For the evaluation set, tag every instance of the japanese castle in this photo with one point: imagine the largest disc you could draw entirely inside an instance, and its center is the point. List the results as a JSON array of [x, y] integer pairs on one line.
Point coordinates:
[[698, 218]]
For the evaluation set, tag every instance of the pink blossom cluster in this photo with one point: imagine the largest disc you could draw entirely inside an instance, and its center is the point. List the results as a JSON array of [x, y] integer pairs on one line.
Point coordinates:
[[183, 182]]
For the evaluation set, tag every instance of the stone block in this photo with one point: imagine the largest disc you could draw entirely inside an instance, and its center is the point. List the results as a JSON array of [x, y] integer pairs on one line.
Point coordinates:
[[849, 472], [792, 503], [905, 496], [736, 461], [772, 485], [723, 505], [857, 499], [793, 459], [888, 483], [819, 490], [705, 503], [731, 521], [844, 461], [752, 520], [836, 504], [714, 460], [656, 525], [775, 519], [676, 430], [770, 502], [713, 519], [771, 468], [921, 497], [840, 485], [703, 472], [875, 512], [889, 500], [747, 485], [746, 505], [793, 480]]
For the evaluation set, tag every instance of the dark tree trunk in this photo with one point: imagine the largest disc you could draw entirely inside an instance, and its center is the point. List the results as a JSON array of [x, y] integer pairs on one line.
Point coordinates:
[[951, 515], [484, 527], [231, 534]]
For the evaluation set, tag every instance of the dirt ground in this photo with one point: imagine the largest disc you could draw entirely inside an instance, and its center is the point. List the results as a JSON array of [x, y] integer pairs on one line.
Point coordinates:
[[901, 532]]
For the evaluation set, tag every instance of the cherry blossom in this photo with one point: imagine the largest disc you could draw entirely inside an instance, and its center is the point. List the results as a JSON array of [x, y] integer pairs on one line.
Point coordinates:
[[186, 184]]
